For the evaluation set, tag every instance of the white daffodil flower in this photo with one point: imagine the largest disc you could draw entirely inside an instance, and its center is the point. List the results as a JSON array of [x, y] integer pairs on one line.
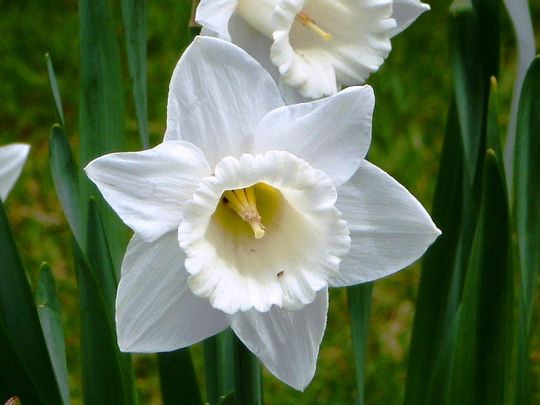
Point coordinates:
[[312, 47], [249, 210], [12, 158]]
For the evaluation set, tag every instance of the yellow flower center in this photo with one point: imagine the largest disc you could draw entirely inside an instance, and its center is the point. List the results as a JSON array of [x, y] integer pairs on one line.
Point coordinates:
[[309, 22], [244, 203]]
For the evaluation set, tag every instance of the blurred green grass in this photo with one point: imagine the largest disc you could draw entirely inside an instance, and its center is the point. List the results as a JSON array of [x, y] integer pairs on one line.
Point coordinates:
[[413, 89]]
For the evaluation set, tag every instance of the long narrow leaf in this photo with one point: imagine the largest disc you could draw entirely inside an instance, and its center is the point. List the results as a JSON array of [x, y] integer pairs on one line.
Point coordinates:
[[19, 316], [177, 376], [247, 388], [66, 181], [55, 91], [99, 258], [527, 185], [469, 87], [102, 374], [219, 366], [483, 357], [101, 113], [437, 300], [359, 300], [134, 16], [51, 324], [15, 378]]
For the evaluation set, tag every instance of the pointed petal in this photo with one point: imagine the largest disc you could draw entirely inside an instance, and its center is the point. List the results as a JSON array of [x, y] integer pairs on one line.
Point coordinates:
[[155, 309], [389, 228], [405, 12], [218, 94], [214, 15], [148, 189], [332, 134], [12, 158], [287, 342]]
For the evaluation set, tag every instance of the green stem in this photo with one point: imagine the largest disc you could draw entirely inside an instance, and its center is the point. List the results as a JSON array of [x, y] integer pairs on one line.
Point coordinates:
[[248, 376]]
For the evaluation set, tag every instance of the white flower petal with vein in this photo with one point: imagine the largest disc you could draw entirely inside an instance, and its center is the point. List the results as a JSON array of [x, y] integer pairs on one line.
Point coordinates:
[[244, 214], [317, 46], [12, 158]]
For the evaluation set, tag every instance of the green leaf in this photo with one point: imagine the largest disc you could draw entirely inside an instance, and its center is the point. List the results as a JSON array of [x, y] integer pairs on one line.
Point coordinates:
[[20, 320], [102, 374], [59, 110], [440, 283], [493, 135], [99, 258], [15, 378], [469, 87], [66, 180], [359, 300], [51, 323], [527, 185], [101, 112], [247, 388], [134, 16], [482, 369], [219, 365], [488, 12], [177, 376]]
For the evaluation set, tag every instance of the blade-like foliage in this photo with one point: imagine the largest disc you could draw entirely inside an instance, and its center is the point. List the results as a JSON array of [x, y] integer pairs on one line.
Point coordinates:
[[99, 258], [438, 296], [21, 326], [66, 181], [177, 376], [482, 368], [527, 185], [467, 63], [359, 301], [134, 16], [247, 381], [51, 323], [59, 110], [101, 112], [219, 365], [102, 375]]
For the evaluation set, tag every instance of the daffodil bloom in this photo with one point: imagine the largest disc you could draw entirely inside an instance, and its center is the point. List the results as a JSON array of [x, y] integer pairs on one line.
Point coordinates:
[[312, 47], [249, 210], [12, 158]]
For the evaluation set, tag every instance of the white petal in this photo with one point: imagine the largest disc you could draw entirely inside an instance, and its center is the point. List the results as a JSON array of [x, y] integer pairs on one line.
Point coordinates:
[[405, 12], [218, 94], [155, 309], [299, 252], [287, 342], [148, 189], [332, 134], [389, 228], [12, 158], [215, 14], [521, 20]]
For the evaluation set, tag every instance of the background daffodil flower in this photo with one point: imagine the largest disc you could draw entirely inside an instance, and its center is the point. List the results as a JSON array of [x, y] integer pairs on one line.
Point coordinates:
[[12, 158], [249, 211], [312, 47]]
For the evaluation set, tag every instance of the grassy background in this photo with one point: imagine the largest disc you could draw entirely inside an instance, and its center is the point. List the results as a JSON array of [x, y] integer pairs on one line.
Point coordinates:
[[413, 90]]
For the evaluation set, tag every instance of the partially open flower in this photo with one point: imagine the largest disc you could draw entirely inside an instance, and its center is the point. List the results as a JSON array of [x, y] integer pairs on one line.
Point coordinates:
[[12, 158], [249, 210], [312, 47]]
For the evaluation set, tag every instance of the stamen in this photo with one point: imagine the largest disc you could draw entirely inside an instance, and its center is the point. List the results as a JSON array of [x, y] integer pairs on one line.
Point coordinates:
[[243, 202], [310, 23]]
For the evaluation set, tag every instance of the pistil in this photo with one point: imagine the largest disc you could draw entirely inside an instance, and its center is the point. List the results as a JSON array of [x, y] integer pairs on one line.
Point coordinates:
[[244, 203], [307, 21]]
